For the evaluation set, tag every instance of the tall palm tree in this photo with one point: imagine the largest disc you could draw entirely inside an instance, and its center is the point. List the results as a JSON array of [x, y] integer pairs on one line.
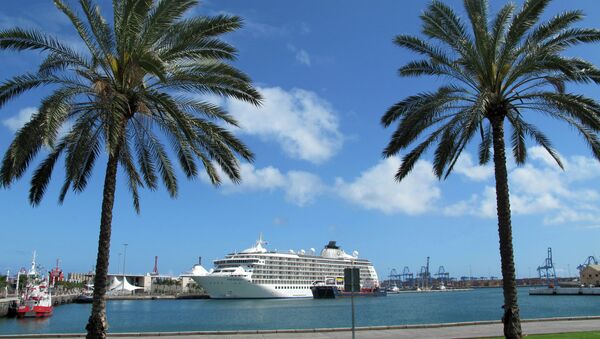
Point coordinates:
[[500, 71], [137, 85]]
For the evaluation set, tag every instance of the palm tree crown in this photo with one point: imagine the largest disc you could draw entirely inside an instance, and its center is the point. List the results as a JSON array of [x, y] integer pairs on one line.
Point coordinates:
[[135, 87], [507, 69]]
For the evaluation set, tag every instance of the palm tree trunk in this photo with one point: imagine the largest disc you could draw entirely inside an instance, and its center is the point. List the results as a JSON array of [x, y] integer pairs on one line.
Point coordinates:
[[97, 324], [511, 320]]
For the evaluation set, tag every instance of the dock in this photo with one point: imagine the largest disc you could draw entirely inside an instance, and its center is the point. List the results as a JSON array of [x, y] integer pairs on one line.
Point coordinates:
[[6, 304], [565, 291], [156, 297]]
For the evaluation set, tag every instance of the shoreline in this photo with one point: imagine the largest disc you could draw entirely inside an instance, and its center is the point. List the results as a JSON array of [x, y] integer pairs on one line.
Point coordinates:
[[157, 297], [473, 329], [6, 304]]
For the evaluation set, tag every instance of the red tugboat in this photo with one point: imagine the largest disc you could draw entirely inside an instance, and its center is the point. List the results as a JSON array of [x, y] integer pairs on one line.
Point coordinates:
[[36, 299]]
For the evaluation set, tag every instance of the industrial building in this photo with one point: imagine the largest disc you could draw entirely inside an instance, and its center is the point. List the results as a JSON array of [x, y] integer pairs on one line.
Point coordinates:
[[590, 275]]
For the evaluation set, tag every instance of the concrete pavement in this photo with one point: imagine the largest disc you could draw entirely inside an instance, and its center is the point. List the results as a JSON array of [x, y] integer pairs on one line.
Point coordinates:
[[453, 330]]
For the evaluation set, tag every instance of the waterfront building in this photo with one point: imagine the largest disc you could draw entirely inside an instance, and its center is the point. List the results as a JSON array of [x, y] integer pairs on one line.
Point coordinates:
[[76, 277], [590, 275]]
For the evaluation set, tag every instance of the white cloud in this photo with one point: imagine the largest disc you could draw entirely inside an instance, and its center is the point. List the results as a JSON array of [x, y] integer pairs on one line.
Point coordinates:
[[537, 188], [466, 167], [582, 168], [300, 188], [460, 208], [374, 189], [540, 154], [377, 189], [16, 122], [268, 178], [305, 125], [541, 187], [301, 55]]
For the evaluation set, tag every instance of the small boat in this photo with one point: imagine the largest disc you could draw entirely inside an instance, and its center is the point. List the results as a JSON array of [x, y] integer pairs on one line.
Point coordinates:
[[394, 289], [87, 296], [332, 290]]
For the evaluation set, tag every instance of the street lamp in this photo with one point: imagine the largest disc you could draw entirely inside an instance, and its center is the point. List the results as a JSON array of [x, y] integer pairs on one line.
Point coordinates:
[[119, 263], [124, 257], [6, 287]]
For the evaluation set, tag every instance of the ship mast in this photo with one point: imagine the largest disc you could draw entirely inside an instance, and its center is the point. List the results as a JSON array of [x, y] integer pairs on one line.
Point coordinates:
[[32, 270]]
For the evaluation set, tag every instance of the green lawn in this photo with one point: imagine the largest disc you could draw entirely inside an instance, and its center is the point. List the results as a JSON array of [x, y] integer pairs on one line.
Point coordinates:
[[572, 335]]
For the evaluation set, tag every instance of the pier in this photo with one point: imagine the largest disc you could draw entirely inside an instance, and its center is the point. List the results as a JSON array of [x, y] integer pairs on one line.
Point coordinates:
[[5, 305], [63, 299], [565, 291]]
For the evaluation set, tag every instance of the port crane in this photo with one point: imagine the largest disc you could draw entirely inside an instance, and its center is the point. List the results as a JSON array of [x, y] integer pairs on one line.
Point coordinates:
[[591, 260], [394, 278], [407, 277], [442, 275], [424, 276], [547, 272]]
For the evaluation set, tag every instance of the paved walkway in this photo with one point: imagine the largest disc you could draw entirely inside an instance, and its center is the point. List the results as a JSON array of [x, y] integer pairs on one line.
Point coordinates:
[[455, 330]]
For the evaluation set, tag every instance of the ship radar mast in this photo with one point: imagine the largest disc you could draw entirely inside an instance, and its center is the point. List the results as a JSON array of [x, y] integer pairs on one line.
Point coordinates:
[[32, 270], [258, 246], [260, 242]]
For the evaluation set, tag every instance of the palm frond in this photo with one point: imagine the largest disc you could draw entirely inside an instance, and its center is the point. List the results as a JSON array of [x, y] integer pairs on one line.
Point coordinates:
[[118, 98]]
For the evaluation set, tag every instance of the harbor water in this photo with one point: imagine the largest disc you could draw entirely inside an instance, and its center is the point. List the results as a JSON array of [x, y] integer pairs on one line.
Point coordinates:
[[213, 315]]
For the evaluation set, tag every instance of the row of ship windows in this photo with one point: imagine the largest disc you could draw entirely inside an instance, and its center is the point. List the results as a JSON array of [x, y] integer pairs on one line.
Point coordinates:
[[281, 281], [268, 260], [275, 262], [292, 275], [279, 268], [297, 272], [296, 276], [292, 287], [287, 269], [258, 270]]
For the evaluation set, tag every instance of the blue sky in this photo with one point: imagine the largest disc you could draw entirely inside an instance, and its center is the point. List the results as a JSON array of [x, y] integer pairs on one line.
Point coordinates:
[[327, 71]]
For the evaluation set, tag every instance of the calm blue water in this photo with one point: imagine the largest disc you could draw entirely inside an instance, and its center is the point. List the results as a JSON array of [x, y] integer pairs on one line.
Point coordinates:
[[405, 308]]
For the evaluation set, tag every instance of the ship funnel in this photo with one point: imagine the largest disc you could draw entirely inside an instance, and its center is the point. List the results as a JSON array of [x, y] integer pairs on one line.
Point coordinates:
[[332, 244]]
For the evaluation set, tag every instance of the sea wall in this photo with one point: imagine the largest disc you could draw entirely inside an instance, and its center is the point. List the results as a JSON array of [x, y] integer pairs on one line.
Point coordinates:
[[63, 299], [5, 305]]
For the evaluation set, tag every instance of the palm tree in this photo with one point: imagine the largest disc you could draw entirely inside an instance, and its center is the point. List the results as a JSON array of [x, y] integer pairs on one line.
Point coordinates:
[[500, 71], [138, 84]]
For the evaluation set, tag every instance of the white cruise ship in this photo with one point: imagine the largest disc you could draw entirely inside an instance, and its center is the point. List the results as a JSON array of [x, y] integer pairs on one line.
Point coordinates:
[[259, 273]]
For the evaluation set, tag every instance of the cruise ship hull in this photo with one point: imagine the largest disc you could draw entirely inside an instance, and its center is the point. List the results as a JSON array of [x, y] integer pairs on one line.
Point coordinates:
[[256, 273], [227, 287]]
